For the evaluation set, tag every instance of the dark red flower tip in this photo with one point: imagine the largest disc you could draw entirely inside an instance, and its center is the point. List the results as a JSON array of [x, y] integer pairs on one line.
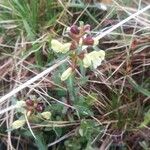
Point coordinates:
[[40, 107], [74, 29], [88, 40], [29, 102]]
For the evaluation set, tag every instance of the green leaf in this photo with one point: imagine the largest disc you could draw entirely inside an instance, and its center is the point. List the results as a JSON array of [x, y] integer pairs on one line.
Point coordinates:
[[40, 143], [139, 88], [39, 58], [83, 110], [83, 80], [144, 145], [146, 120], [91, 99], [81, 132]]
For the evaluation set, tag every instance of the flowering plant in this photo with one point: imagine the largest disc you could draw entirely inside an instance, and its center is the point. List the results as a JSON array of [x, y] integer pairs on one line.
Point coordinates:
[[29, 108], [82, 52]]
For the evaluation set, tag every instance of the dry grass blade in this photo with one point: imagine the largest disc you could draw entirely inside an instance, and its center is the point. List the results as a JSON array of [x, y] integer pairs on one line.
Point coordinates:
[[122, 22]]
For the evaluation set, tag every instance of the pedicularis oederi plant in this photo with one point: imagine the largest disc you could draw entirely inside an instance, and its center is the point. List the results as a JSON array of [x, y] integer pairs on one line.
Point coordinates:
[[82, 49], [82, 52]]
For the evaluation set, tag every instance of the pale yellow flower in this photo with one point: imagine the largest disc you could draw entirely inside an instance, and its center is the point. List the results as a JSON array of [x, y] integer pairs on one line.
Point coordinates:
[[58, 47], [46, 115], [18, 124], [66, 74], [86, 61], [93, 58]]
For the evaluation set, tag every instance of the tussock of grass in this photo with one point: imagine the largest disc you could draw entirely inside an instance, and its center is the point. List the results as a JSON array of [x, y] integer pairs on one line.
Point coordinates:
[[110, 107]]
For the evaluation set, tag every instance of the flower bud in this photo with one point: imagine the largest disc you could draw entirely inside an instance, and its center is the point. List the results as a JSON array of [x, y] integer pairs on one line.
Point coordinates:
[[88, 40], [66, 74], [18, 124], [40, 107], [74, 29], [46, 115], [29, 102]]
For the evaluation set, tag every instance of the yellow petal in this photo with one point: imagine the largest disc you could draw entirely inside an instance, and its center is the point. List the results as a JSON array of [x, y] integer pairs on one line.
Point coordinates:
[[18, 124], [59, 47], [96, 63], [65, 47], [56, 45], [93, 58], [86, 61], [101, 54], [93, 55], [66, 74], [46, 115]]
